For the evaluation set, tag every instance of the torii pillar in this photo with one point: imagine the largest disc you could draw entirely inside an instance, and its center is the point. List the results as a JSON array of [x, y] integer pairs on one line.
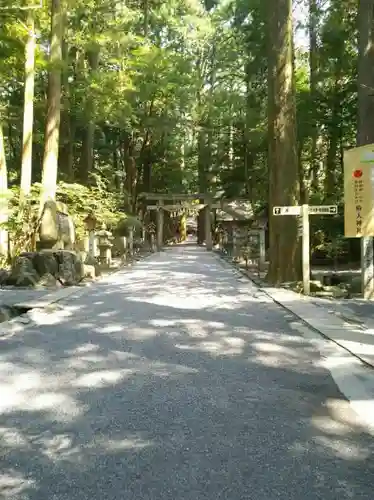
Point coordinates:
[[160, 226], [208, 226]]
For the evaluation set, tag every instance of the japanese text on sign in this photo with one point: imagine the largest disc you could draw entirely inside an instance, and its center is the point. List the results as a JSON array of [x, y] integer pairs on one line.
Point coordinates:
[[358, 189], [359, 192]]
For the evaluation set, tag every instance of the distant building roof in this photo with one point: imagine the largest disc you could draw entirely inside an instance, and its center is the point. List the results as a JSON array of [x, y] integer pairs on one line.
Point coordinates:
[[240, 211], [235, 210]]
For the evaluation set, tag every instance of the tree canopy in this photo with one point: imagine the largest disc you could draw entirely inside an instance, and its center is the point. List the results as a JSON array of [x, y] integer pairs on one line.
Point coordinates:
[[185, 96]]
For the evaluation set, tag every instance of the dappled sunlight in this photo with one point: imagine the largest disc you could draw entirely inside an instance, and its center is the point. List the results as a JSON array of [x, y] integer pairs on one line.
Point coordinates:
[[154, 365], [341, 448], [13, 438], [86, 325], [125, 444], [338, 428], [181, 297], [60, 407], [65, 448], [108, 314], [47, 317], [102, 378], [276, 355], [229, 346], [55, 405], [330, 426], [13, 483], [143, 333], [114, 328], [85, 348]]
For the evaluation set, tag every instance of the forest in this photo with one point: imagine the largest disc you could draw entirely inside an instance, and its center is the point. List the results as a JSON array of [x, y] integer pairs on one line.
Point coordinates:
[[101, 100]]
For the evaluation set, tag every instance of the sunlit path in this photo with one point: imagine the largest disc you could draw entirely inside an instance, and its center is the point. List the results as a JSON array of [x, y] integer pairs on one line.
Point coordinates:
[[175, 380]]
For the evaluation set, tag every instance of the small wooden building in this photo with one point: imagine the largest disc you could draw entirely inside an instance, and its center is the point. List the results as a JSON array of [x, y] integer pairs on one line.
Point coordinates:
[[239, 226]]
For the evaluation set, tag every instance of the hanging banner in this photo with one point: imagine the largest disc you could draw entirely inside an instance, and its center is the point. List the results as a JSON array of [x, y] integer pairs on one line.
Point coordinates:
[[359, 192]]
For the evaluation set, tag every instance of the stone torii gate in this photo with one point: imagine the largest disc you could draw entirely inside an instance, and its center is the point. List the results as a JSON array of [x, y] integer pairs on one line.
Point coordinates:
[[209, 203], [181, 201]]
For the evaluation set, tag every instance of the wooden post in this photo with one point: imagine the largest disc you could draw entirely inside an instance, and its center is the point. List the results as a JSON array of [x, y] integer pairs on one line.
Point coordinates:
[[208, 227], [92, 244], [367, 267], [160, 225], [305, 249], [142, 218], [131, 241], [262, 259]]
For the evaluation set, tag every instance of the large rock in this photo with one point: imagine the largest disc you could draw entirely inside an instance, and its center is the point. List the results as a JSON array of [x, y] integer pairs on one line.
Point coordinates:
[[47, 268], [56, 230], [49, 281], [45, 262], [48, 229], [66, 230], [23, 272], [4, 276], [70, 267]]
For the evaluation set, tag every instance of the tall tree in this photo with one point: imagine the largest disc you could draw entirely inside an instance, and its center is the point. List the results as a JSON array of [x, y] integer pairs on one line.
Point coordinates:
[[282, 161], [28, 108], [3, 195], [365, 129], [313, 78], [51, 140]]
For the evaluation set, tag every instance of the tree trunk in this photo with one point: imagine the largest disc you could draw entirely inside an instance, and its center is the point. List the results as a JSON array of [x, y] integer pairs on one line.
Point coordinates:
[[313, 75], [51, 146], [201, 148], [66, 153], [365, 131], [147, 168], [283, 166], [334, 128], [87, 153], [248, 110], [3, 196], [28, 110]]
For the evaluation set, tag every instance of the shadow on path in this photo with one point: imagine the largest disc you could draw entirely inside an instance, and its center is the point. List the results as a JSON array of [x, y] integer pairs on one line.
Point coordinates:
[[174, 381]]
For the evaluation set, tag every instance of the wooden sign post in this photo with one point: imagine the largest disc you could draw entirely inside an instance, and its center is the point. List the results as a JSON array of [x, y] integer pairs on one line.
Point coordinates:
[[303, 213]]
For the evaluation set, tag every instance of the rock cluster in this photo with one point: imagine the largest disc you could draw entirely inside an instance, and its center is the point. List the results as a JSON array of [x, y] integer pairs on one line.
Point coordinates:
[[47, 268]]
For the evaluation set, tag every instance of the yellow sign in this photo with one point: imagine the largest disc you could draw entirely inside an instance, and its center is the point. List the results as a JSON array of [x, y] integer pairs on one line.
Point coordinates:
[[359, 192]]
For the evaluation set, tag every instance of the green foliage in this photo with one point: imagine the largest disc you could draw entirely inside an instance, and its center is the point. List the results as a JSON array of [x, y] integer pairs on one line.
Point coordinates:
[[81, 201], [181, 87]]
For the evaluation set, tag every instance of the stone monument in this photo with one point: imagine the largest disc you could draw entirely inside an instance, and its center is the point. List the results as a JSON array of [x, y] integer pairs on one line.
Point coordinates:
[[56, 227]]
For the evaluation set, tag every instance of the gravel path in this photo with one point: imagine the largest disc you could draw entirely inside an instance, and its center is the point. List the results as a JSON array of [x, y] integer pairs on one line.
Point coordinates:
[[175, 380]]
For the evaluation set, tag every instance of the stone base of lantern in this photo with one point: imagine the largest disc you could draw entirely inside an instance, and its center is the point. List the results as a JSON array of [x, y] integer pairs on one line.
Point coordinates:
[[105, 255]]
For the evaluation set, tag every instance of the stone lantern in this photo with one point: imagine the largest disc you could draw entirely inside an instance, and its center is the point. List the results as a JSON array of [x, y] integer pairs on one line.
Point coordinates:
[[90, 222], [152, 234], [105, 244]]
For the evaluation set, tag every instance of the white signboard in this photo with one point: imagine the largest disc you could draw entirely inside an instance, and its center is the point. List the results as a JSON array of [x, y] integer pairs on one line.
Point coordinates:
[[312, 210], [293, 210], [323, 209], [303, 212]]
